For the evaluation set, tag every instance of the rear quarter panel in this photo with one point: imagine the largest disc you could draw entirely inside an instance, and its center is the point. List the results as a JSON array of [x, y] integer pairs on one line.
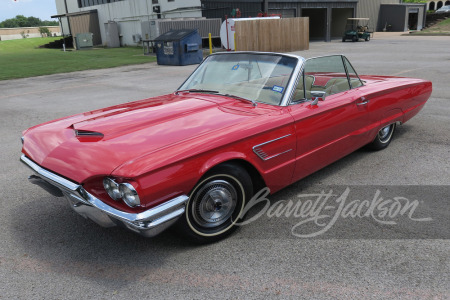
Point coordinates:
[[394, 99]]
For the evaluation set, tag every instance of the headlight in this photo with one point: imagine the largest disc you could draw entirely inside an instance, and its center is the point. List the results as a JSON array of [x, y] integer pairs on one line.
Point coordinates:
[[112, 188], [129, 194]]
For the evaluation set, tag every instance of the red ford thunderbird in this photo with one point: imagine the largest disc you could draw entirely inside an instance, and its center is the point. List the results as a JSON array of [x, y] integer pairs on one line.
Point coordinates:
[[240, 122]]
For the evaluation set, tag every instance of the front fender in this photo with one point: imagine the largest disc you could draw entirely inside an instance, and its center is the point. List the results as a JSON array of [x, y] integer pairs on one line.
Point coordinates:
[[221, 158]]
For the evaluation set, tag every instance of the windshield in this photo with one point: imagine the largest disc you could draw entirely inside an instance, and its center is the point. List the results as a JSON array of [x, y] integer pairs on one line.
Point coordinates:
[[255, 77]]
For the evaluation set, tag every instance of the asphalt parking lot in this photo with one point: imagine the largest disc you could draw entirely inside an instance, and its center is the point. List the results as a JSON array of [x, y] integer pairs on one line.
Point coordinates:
[[49, 252]]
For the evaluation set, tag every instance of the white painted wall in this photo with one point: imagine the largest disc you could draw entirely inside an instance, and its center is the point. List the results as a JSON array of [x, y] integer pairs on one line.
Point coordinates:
[[130, 13]]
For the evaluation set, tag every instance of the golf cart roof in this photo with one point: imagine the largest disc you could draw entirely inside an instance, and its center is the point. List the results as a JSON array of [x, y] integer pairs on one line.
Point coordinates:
[[362, 19]]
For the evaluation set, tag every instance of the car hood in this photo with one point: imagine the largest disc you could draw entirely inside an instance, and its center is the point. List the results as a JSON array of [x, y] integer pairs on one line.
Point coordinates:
[[97, 142]]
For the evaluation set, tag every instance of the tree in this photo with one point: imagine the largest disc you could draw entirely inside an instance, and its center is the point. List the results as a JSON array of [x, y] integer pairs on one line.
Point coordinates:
[[50, 23], [9, 23], [22, 21], [33, 22]]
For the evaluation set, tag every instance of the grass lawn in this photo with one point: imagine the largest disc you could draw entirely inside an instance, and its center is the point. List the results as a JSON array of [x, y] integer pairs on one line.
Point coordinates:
[[441, 28], [22, 58]]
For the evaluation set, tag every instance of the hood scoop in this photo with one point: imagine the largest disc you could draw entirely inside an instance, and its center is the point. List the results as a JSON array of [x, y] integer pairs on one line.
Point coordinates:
[[87, 133], [88, 136]]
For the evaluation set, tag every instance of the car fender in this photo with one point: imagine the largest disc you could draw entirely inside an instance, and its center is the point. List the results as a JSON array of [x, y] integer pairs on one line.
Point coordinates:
[[392, 116], [221, 158]]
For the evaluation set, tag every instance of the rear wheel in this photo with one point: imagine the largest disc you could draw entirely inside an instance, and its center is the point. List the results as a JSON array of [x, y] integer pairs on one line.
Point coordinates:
[[343, 39], [367, 38], [383, 137], [354, 38], [216, 204]]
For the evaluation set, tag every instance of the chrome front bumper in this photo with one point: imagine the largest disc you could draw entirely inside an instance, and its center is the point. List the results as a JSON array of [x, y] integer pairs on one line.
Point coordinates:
[[147, 223]]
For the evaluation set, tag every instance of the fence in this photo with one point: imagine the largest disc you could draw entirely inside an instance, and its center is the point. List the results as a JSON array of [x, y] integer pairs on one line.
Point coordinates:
[[272, 35]]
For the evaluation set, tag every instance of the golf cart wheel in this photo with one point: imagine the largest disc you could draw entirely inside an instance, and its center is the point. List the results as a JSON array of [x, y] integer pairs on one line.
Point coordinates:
[[343, 39], [354, 38], [367, 38]]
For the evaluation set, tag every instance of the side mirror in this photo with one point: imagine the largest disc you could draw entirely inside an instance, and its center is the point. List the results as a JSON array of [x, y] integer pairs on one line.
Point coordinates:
[[316, 96]]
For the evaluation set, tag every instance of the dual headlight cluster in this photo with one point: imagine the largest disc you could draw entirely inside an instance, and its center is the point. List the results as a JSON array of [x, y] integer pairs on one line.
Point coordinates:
[[124, 191]]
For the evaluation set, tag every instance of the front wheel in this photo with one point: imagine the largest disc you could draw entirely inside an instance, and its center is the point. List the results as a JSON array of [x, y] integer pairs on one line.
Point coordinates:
[[383, 137], [354, 38], [216, 204]]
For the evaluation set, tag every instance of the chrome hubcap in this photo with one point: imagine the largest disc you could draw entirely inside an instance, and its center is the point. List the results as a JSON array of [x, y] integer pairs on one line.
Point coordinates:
[[214, 203], [385, 133]]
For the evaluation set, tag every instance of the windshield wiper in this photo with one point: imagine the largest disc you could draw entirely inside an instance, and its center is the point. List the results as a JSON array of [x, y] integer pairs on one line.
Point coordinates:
[[217, 93], [240, 98], [197, 91]]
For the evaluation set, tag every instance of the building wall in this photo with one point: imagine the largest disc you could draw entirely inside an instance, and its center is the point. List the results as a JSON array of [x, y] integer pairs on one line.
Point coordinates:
[[86, 23], [325, 16], [397, 16], [393, 16], [220, 9], [339, 18], [130, 13], [371, 9], [322, 24], [422, 17]]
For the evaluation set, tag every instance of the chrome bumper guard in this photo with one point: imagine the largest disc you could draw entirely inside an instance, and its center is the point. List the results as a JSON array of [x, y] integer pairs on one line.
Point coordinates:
[[147, 223]]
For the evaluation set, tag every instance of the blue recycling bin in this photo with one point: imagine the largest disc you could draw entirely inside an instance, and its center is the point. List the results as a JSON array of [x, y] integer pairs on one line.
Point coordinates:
[[179, 47]]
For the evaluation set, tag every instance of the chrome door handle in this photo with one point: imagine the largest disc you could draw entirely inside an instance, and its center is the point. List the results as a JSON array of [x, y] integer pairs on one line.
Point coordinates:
[[363, 101]]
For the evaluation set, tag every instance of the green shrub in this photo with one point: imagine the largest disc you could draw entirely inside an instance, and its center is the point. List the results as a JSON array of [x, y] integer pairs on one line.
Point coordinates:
[[44, 31]]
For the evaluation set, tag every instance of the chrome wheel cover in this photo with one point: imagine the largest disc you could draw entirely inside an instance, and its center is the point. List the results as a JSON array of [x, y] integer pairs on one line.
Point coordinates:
[[214, 203], [385, 133]]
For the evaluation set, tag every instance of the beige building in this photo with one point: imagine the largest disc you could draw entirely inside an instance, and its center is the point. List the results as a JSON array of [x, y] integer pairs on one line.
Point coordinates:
[[436, 4], [25, 32]]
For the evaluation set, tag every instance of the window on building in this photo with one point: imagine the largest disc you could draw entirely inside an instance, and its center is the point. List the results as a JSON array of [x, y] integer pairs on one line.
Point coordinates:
[[86, 3]]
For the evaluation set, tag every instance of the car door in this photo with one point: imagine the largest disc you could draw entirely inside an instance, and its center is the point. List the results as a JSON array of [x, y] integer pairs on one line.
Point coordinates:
[[333, 127]]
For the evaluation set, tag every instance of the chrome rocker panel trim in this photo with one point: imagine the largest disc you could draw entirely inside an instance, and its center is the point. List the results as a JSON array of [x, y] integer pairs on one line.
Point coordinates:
[[147, 223]]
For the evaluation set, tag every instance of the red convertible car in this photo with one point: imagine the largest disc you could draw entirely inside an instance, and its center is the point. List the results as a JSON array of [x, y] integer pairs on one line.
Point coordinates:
[[240, 122]]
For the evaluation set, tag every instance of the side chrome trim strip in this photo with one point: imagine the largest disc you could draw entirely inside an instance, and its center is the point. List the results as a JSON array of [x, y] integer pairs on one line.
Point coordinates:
[[273, 156], [263, 155]]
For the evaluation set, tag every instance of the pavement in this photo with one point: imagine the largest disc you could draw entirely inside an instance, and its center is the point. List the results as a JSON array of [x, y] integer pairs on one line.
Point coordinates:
[[49, 252]]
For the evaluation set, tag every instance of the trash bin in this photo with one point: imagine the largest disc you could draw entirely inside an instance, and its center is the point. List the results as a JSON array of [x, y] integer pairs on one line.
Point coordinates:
[[179, 47]]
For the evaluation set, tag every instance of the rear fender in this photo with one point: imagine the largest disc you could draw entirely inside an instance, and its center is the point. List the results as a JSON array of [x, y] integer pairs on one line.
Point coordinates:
[[392, 116]]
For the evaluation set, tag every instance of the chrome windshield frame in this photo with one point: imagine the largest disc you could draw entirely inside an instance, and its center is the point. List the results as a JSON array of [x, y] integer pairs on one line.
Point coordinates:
[[290, 87]]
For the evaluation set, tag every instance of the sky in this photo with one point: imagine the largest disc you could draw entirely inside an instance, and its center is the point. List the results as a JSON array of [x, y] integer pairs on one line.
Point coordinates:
[[41, 9]]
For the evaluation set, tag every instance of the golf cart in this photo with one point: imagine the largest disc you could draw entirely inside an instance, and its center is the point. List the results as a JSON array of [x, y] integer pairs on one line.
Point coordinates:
[[357, 28]]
